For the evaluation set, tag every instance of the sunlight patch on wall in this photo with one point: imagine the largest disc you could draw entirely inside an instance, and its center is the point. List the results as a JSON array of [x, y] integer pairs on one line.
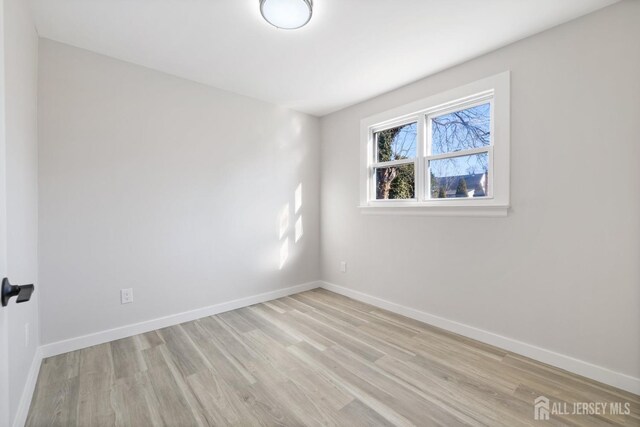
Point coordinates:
[[284, 253], [284, 220], [299, 230], [284, 239], [298, 198]]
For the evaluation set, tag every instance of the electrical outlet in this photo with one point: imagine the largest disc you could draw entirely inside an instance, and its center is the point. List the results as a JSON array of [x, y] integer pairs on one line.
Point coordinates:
[[126, 296], [343, 266], [27, 332]]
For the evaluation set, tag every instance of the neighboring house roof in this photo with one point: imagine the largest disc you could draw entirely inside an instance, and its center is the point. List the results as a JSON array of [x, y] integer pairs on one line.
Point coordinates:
[[476, 184]]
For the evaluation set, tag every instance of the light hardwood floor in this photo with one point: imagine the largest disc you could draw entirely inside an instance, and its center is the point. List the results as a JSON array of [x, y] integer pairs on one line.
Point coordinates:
[[315, 358]]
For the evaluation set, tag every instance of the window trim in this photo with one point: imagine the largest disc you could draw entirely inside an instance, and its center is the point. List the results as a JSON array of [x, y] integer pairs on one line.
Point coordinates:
[[495, 89]]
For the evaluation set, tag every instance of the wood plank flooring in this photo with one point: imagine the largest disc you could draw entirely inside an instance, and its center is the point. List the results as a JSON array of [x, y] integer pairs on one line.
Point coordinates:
[[315, 358]]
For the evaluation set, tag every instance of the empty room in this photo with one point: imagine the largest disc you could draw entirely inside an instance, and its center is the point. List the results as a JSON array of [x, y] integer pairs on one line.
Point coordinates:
[[319, 213]]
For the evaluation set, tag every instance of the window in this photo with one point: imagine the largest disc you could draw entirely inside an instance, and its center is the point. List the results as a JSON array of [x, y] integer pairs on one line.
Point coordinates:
[[395, 158], [447, 154], [458, 152]]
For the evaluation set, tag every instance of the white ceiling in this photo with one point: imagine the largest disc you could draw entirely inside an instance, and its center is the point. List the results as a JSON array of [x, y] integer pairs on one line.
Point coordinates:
[[350, 51]]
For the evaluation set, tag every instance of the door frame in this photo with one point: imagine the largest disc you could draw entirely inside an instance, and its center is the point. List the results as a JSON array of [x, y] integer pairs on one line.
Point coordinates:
[[4, 317]]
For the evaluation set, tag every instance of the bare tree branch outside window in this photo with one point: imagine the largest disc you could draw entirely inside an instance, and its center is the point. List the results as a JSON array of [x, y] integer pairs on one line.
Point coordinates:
[[461, 130], [396, 182]]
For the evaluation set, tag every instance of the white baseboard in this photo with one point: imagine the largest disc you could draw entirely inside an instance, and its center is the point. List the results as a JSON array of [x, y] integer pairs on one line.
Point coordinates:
[[29, 387], [568, 363], [101, 337]]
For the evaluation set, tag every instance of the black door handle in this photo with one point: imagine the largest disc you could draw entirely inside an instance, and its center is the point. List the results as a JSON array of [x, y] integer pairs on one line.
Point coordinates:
[[8, 290]]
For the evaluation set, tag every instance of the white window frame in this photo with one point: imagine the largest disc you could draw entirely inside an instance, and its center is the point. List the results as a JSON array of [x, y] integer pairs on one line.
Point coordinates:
[[495, 90]]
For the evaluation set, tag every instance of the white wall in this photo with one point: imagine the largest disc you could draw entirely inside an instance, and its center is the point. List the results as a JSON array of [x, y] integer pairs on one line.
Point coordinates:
[[20, 120], [562, 271], [169, 187]]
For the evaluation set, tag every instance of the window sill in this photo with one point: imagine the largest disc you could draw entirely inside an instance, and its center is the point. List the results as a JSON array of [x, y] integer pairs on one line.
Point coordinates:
[[436, 210]]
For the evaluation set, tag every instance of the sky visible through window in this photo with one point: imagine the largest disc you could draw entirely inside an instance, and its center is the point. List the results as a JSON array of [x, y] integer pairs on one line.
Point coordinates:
[[397, 143], [458, 131]]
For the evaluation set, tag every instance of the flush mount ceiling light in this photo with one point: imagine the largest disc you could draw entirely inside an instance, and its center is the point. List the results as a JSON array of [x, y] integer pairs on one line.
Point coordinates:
[[286, 14]]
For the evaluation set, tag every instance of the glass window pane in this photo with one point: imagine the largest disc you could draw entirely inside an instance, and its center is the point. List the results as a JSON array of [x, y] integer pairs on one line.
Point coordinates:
[[464, 176], [397, 143], [461, 130], [395, 182]]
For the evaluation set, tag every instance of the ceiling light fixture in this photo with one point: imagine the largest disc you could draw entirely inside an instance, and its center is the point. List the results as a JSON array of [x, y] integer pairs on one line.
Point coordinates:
[[287, 14]]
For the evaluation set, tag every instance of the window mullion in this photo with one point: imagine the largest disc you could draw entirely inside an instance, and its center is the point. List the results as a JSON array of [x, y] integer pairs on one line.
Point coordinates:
[[419, 164], [427, 153]]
